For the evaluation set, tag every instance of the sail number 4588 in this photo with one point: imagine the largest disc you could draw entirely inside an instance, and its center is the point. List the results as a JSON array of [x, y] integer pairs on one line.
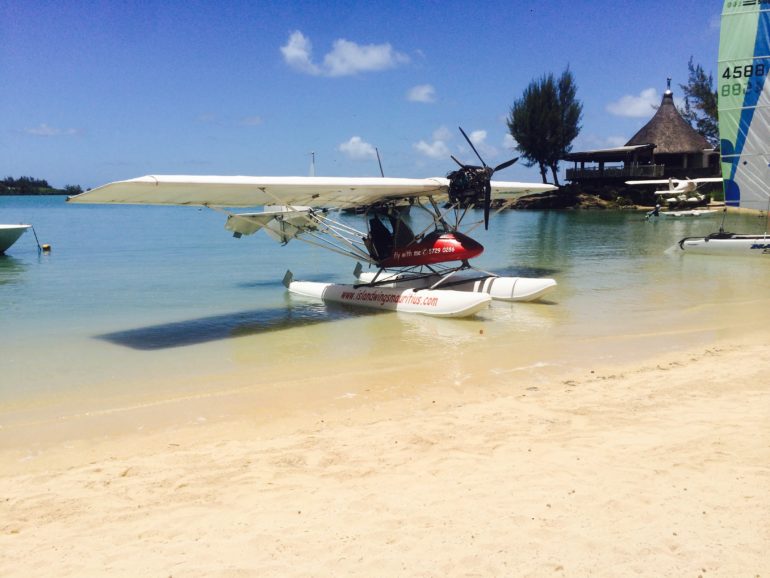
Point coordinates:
[[746, 71]]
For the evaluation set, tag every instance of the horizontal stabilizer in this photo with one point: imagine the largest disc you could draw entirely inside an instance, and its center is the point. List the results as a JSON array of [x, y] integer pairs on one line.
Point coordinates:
[[247, 224], [281, 223]]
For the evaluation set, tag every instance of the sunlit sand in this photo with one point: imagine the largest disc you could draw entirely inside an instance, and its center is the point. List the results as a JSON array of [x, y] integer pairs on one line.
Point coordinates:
[[463, 461]]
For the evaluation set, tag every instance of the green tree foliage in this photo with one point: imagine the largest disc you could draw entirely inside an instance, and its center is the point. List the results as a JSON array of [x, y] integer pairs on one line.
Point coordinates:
[[72, 190], [33, 186], [545, 121], [700, 103]]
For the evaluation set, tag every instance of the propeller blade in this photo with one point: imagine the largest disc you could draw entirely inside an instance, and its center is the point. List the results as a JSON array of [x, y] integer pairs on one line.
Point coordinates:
[[487, 204], [458, 162], [473, 147], [505, 165]]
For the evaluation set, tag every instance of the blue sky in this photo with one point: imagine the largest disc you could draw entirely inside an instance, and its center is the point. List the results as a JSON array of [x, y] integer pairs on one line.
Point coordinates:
[[100, 91]]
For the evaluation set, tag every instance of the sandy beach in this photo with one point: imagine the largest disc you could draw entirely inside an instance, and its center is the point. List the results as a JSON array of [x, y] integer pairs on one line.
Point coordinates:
[[657, 469]]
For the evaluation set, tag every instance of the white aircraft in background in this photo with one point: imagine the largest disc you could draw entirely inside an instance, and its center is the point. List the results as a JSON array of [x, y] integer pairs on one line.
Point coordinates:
[[680, 190]]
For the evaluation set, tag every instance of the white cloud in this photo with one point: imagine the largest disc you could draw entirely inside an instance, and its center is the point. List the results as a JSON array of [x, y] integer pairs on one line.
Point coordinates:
[[438, 149], [509, 142], [251, 121], [588, 142], [478, 136], [358, 149], [616, 141], [479, 140], [44, 130], [442, 133], [641, 105], [346, 58], [350, 58], [298, 53], [422, 93]]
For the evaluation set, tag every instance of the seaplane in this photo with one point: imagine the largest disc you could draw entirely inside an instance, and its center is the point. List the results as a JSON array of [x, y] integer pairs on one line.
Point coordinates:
[[426, 272], [680, 192]]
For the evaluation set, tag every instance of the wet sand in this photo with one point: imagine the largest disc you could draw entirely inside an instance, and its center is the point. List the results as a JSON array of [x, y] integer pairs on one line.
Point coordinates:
[[658, 468]]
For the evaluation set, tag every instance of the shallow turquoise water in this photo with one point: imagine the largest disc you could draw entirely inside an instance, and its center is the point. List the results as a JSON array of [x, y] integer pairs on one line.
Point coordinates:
[[131, 293]]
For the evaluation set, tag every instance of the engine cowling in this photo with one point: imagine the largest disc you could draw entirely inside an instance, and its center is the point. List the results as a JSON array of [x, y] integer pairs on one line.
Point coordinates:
[[437, 247]]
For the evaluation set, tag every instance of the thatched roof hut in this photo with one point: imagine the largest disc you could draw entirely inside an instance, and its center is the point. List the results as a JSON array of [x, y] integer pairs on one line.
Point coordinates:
[[667, 146], [670, 133]]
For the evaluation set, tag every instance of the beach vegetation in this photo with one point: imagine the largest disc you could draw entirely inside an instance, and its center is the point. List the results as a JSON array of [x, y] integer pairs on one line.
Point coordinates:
[[545, 121]]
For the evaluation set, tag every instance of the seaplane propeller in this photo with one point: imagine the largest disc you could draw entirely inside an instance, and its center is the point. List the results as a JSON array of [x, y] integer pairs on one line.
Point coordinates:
[[471, 183]]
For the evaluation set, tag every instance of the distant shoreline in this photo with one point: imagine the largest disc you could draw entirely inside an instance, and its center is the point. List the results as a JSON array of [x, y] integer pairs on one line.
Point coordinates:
[[53, 194], [33, 187]]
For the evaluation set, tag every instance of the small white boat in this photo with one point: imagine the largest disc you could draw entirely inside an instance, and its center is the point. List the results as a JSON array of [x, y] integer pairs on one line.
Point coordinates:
[[433, 302], [499, 288], [9, 235]]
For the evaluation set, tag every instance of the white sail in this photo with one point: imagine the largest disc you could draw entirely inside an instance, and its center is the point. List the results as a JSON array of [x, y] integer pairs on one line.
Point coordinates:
[[744, 103]]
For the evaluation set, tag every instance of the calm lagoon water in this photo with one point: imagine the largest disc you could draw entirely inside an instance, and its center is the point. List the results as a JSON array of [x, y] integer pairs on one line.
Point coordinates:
[[138, 295]]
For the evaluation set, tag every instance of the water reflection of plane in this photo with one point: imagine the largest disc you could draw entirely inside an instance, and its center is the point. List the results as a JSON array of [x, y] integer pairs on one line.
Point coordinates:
[[10, 269], [525, 318]]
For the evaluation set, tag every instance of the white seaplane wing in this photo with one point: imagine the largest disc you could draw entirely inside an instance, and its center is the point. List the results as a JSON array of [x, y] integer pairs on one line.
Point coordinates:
[[677, 185], [676, 181], [246, 191]]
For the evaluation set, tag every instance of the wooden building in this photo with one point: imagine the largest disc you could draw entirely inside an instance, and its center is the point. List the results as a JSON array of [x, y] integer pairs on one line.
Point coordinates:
[[667, 146]]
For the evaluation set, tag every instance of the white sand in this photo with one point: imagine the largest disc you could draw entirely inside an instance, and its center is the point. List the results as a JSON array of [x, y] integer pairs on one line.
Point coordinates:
[[659, 470]]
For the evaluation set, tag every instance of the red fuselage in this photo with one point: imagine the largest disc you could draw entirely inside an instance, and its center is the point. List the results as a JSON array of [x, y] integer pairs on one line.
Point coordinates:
[[437, 247]]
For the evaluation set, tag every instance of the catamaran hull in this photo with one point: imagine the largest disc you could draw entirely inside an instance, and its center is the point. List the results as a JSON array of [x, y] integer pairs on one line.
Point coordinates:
[[436, 303], [498, 288], [746, 245], [9, 234]]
